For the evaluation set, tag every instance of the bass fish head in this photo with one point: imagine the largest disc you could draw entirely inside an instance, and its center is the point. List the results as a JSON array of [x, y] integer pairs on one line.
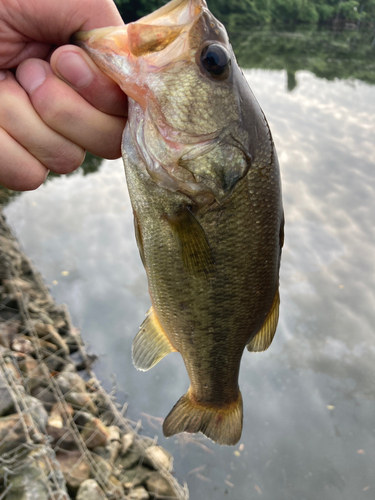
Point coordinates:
[[194, 121]]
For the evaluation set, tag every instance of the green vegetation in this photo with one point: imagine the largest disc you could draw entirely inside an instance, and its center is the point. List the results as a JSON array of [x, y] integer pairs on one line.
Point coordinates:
[[290, 34], [328, 54], [239, 14]]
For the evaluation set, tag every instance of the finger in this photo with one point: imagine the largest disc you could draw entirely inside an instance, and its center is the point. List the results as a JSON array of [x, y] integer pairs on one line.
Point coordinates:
[[19, 119], [76, 68], [69, 114], [19, 170]]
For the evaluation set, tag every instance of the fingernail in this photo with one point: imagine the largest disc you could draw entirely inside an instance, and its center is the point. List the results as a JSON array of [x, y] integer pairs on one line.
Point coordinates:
[[31, 75], [3, 75], [74, 69]]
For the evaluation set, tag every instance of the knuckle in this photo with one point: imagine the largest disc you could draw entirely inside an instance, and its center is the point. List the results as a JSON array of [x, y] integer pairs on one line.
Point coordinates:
[[27, 179], [11, 97], [68, 159], [50, 103]]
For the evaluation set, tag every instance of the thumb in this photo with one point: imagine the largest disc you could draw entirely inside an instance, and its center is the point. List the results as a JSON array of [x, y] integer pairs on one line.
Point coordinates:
[[75, 67]]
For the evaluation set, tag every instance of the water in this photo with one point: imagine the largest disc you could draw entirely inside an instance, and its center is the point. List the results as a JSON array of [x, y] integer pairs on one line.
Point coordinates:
[[309, 401]]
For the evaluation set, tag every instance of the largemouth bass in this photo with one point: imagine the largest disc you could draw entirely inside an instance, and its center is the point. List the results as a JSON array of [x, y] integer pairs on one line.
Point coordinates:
[[204, 183]]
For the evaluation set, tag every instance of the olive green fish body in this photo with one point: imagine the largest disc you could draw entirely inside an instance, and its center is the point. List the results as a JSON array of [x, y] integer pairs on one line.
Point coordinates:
[[204, 183]]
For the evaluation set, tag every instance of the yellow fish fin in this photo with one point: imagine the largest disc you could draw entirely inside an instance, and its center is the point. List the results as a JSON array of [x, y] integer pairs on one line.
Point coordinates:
[[264, 337], [223, 425], [150, 344], [192, 241]]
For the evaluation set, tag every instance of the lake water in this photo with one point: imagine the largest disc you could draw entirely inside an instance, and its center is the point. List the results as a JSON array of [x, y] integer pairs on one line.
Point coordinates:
[[309, 401]]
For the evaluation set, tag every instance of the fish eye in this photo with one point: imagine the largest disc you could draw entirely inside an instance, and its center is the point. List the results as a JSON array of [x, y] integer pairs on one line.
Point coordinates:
[[216, 61]]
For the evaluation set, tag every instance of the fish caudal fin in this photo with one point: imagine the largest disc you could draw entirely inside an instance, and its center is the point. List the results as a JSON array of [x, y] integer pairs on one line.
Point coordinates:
[[150, 344], [222, 425]]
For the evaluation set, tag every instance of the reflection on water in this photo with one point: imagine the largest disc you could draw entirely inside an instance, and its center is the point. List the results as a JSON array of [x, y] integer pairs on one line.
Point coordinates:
[[309, 430], [328, 54]]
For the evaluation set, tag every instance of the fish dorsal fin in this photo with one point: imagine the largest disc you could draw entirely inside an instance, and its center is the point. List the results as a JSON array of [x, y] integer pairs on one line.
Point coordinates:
[[264, 337], [150, 344], [193, 244]]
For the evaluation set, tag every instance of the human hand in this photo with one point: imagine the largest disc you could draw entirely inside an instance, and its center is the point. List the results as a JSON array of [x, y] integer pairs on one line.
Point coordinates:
[[55, 107]]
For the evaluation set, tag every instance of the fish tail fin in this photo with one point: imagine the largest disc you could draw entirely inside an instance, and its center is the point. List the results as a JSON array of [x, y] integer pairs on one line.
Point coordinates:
[[223, 425]]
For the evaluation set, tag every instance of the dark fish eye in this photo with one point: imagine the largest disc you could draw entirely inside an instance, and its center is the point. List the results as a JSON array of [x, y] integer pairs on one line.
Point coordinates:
[[216, 61]]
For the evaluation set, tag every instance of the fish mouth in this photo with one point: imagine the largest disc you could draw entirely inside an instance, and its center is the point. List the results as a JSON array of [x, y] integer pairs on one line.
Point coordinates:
[[147, 45]]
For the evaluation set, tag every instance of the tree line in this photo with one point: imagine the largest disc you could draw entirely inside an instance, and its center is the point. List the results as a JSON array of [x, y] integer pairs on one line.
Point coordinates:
[[241, 13]]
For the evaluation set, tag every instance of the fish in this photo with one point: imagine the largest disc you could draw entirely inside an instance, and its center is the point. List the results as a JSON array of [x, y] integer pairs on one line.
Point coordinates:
[[205, 188]]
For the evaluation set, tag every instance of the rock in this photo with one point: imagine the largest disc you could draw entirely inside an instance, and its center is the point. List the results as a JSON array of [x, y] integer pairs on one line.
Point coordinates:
[[59, 428], [104, 468], [28, 484], [70, 367], [73, 340], [80, 400], [71, 381], [135, 477], [114, 444], [102, 452], [90, 490], [47, 346], [136, 452], [55, 363], [8, 331], [6, 400], [132, 458], [23, 344], [76, 469], [100, 401], [85, 363], [49, 332], [12, 432], [156, 457], [12, 371], [138, 494], [126, 441], [35, 409], [46, 396], [17, 284], [35, 376], [81, 417], [95, 433], [159, 487], [108, 418], [4, 340]]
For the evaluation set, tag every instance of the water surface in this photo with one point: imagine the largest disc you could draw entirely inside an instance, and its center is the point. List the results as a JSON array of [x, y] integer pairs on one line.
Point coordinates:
[[309, 401]]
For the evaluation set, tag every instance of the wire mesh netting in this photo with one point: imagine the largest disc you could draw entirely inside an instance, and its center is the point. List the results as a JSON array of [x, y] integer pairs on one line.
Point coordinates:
[[61, 435]]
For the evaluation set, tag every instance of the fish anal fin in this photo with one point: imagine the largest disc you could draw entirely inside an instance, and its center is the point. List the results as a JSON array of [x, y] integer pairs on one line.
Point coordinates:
[[222, 425], [150, 344], [195, 250], [264, 337]]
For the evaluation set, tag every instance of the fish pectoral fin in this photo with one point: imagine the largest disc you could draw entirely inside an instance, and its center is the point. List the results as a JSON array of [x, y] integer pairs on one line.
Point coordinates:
[[223, 425], [150, 344], [193, 244], [264, 337], [138, 237]]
